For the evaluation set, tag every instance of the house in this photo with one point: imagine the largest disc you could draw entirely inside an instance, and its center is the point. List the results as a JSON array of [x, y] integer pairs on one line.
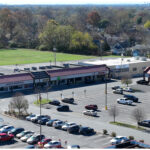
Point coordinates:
[[136, 52], [118, 49]]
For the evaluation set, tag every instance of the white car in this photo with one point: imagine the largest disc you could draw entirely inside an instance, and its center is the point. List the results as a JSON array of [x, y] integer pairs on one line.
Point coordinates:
[[23, 133], [26, 137], [6, 129], [127, 89], [119, 139], [53, 144], [118, 91], [58, 124], [67, 125], [124, 101], [90, 112]]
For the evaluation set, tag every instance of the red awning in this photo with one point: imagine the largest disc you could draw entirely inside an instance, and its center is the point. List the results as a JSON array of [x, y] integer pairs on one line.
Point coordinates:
[[15, 78]]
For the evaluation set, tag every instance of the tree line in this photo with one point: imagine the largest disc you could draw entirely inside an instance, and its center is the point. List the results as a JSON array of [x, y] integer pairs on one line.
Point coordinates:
[[72, 29]]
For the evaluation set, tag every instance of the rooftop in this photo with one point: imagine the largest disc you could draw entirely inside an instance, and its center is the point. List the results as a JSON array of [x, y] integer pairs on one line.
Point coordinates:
[[117, 61]]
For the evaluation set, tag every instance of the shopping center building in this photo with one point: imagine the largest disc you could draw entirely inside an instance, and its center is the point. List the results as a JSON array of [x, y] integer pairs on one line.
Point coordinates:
[[72, 74]]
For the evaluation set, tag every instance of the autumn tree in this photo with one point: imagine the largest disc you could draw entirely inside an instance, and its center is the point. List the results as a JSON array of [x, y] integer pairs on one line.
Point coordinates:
[[93, 18], [147, 24]]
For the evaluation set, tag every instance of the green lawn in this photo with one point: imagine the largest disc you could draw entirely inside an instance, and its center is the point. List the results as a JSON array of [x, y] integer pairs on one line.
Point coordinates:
[[27, 56]]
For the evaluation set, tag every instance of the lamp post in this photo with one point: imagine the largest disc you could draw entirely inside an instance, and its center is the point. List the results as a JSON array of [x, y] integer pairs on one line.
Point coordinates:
[[40, 98], [54, 50], [105, 94]]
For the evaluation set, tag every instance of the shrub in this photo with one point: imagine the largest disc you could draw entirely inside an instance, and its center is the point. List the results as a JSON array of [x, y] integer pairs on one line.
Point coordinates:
[[131, 137], [113, 134], [43, 47], [105, 131]]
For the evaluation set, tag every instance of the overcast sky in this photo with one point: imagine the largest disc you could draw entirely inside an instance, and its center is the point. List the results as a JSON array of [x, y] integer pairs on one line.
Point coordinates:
[[74, 1]]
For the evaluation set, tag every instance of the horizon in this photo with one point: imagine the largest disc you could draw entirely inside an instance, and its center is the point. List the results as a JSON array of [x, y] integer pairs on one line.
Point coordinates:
[[73, 2]]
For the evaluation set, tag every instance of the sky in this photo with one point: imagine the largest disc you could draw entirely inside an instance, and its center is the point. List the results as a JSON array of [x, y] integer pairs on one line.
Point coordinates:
[[74, 1]]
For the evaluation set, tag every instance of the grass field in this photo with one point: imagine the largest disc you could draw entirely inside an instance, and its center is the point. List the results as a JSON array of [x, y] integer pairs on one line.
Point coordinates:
[[28, 56]]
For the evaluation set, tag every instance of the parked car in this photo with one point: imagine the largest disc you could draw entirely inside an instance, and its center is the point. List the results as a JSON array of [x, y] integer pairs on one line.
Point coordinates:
[[73, 147], [53, 144], [6, 137], [38, 117], [1, 126], [144, 82], [86, 130], [116, 87], [54, 102], [34, 68], [145, 123], [128, 89], [63, 108], [50, 122], [43, 142], [73, 129], [118, 91], [131, 97], [23, 133], [67, 125], [118, 140], [31, 147], [90, 113], [35, 139], [43, 121], [58, 124], [68, 100], [124, 101], [6, 129], [91, 107], [26, 137], [15, 131], [30, 116]]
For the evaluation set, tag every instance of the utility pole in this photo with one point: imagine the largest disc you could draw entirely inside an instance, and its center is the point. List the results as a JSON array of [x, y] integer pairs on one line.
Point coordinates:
[[54, 50]]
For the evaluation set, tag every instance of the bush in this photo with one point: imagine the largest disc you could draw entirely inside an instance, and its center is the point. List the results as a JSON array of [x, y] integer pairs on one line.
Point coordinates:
[[43, 47], [113, 134], [142, 141], [105, 131], [131, 137]]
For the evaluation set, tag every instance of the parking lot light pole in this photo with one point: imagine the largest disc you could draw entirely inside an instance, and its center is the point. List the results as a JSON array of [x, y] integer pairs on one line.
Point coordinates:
[[105, 94], [40, 98]]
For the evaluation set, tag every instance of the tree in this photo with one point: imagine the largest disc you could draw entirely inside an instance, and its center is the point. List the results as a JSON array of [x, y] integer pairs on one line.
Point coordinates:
[[93, 18], [139, 20], [126, 80], [138, 114], [19, 102], [114, 112], [103, 23], [147, 24]]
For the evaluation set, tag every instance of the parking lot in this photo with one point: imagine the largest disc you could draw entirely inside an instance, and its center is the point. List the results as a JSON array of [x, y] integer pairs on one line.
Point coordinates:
[[94, 94]]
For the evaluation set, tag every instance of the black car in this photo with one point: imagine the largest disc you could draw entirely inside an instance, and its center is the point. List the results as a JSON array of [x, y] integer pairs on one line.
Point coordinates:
[[63, 108], [50, 122], [131, 97], [73, 129], [86, 131], [145, 123], [16, 131], [144, 82], [116, 87], [43, 121], [35, 139], [68, 100], [54, 102]]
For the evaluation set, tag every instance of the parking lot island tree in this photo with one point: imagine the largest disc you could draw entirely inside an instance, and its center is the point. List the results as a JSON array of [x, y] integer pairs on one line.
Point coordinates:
[[20, 103], [126, 80], [114, 112], [138, 115]]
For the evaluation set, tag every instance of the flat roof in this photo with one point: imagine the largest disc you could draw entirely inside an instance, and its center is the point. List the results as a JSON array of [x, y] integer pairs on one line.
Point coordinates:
[[115, 62]]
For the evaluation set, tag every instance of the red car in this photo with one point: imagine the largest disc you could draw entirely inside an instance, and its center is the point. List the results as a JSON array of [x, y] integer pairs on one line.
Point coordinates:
[[91, 107], [43, 142], [6, 137]]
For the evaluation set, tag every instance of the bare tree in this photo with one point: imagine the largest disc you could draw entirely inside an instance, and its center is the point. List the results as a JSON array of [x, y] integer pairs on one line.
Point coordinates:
[[126, 80], [138, 114], [19, 102], [114, 112]]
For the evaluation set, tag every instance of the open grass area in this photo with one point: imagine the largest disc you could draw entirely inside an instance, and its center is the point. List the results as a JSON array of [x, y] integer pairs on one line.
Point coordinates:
[[43, 101], [28, 56], [127, 125]]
